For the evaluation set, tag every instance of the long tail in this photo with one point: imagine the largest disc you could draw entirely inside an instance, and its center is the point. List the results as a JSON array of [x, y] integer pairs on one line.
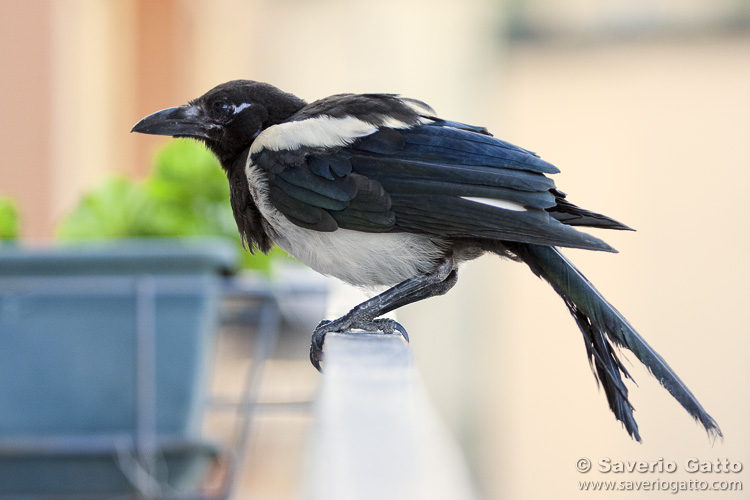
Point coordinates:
[[602, 325]]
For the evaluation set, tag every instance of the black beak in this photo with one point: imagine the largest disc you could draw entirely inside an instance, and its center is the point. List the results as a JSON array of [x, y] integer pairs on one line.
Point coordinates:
[[182, 121]]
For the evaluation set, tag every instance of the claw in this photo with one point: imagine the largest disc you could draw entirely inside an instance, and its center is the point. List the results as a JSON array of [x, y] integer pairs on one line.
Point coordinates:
[[385, 325], [316, 347]]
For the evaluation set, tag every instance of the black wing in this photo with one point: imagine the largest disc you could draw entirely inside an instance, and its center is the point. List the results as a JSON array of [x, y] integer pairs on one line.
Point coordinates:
[[440, 178]]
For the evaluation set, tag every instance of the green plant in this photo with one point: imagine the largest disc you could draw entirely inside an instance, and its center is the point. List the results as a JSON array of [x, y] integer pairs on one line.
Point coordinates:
[[8, 219], [186, 194]]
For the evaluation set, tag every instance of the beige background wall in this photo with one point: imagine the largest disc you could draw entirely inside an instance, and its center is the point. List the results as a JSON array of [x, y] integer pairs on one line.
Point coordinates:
[[656, 135]]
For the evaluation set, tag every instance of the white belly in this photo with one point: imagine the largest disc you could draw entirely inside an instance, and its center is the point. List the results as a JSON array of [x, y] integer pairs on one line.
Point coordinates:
[[362, 259]]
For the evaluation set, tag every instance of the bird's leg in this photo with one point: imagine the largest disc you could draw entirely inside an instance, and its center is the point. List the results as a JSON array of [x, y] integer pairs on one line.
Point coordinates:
[[365, 315]]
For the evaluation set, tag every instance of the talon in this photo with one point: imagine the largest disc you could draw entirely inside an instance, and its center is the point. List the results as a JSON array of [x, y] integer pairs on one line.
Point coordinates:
[[316, 356], [316, 347], [402, 331]]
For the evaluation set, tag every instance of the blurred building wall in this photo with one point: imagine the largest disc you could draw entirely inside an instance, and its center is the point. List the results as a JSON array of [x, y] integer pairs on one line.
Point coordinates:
[[25, 128], [654, 132]]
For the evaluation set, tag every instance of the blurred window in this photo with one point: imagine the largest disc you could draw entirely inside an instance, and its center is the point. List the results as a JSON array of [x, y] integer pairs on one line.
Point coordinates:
[[594, 20]]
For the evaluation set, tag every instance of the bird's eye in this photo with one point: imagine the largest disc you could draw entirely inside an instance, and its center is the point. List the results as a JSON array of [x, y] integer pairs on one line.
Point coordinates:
[[221, 109]]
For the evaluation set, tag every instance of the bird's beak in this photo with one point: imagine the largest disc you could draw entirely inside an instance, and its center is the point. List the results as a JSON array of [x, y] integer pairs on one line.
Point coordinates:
[[181, 121]]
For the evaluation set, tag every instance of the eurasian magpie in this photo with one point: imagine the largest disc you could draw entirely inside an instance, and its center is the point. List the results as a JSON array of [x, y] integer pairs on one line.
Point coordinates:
[[378, 191]]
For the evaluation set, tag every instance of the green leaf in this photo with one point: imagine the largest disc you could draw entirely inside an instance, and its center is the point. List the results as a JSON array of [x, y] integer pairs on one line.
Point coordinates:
[[119, 208], [186, 194], [9, 224]]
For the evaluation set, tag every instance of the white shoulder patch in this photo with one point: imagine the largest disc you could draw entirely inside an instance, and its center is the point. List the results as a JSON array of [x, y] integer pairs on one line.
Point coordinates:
[[320, 132], [323, 131], [504, 204]]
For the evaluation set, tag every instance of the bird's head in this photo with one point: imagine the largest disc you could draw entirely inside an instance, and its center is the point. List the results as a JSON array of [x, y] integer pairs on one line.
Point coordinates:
[[227, 118]]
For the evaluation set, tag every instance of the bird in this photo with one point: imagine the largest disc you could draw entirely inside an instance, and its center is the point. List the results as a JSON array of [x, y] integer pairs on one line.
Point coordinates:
[[377, 190]]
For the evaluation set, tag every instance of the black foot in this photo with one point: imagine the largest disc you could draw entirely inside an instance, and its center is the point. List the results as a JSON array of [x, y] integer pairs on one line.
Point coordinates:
[[344, 324]]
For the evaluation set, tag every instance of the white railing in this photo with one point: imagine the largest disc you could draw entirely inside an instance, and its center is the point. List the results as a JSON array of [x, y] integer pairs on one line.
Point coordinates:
[[376, 434]]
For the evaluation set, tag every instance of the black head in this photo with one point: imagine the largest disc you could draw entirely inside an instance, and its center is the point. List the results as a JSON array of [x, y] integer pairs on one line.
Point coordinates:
[[227, 118]]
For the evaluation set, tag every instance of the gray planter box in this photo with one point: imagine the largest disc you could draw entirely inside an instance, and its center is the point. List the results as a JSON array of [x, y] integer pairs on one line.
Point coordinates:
[[106, 340]]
